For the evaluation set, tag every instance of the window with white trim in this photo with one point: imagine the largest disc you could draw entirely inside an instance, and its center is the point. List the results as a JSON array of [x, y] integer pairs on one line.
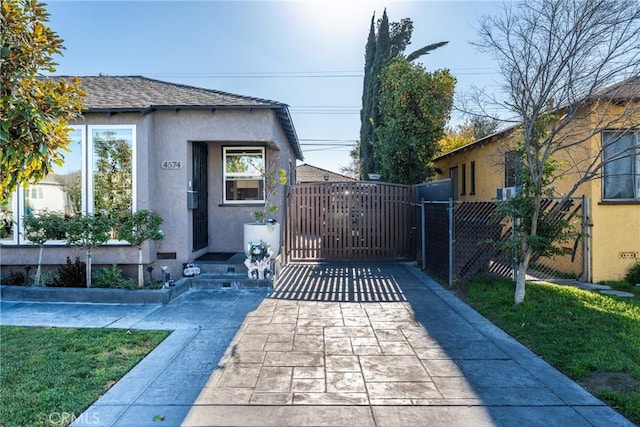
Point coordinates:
[[621, 165], [243, 174], [97, 175]]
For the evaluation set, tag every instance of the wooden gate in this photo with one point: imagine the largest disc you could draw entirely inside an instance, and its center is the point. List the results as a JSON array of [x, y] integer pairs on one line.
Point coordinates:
[[355, 221]]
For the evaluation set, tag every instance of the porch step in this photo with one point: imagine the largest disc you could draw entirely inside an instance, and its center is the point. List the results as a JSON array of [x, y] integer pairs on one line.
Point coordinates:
[[229, 280], [231, 265]]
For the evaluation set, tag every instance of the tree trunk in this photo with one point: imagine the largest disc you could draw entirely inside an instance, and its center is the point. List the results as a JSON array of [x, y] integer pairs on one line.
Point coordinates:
[[88, 278], [140, 274], [523, 266], [39, 269]]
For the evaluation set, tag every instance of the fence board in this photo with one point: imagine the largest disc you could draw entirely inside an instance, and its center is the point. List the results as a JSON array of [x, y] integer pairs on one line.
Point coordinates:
[[349, 221]]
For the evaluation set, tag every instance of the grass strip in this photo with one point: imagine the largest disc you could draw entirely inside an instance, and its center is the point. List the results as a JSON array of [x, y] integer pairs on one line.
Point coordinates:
[[49, 376], [594, 339]]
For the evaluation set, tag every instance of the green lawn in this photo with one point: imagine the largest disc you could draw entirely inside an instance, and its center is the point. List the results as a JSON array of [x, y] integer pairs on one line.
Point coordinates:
[[51, 374], [592, 338]]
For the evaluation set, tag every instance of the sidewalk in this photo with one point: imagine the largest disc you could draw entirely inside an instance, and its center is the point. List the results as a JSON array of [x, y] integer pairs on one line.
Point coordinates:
[[334, 345]]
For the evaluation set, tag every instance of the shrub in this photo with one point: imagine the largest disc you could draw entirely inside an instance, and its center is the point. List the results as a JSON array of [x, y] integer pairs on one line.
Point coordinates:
[[633, 276], [46, 279], [15, 278], [111, 277], [71, 275]]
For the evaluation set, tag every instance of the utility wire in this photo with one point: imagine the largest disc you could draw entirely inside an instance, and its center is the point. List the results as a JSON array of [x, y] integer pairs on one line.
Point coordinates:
[[471, 71]]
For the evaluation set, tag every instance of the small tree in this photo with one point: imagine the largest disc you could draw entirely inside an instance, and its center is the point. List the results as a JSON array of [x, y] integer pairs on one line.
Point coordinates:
[[38, 228], [274, 177], [87, 232], [136, 228], [559, 60]]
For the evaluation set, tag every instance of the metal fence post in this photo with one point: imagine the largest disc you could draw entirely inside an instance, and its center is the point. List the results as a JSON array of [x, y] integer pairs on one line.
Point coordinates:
[[514, 250], [450, 241], [423, 231], [586, 238]]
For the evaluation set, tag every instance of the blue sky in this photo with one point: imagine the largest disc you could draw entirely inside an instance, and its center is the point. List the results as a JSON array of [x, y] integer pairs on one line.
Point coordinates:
[[307, 54]]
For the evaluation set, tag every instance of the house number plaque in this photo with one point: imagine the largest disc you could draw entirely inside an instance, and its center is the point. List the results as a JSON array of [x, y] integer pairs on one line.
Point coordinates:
[[168, 164]]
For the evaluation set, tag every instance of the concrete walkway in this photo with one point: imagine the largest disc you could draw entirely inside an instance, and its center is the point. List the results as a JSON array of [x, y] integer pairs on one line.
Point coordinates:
[[334, 345]]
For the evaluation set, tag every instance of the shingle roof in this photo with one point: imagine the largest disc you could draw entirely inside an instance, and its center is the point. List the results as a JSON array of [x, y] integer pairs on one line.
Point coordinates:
[[309, 173], [138, 93], [626, 90]]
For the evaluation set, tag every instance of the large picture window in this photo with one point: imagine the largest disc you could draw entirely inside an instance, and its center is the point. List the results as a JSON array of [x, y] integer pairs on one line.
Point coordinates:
[[111, 183], [243, 176], [621, 165], [97, 176]]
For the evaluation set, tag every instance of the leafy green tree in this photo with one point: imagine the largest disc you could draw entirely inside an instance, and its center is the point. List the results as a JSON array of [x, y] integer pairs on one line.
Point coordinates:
[[34, 112], [465, 133], [456, 137], [87, 232], [40, 227], [483, 126], [136, 228], [415, 106]]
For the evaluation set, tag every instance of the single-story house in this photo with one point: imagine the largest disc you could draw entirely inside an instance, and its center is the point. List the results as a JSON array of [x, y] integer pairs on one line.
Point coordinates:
[[306, 173], [193, 155], [484, 170]]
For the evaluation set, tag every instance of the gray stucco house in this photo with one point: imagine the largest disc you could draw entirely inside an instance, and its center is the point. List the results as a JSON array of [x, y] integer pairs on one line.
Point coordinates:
[[188, 153]]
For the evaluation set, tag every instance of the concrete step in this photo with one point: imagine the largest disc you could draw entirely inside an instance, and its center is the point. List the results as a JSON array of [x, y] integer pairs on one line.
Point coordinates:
[[229, 280], [234, 264]]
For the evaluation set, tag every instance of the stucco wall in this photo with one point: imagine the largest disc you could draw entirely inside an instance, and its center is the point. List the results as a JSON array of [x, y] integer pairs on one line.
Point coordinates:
[[616, 226], [167, 136]]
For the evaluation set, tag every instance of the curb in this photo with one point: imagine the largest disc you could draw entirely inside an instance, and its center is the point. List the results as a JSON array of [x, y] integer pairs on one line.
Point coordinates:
[[126, 296], [94, 295]]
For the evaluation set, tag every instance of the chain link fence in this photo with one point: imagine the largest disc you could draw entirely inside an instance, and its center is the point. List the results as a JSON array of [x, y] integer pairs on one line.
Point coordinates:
[[462, 239]]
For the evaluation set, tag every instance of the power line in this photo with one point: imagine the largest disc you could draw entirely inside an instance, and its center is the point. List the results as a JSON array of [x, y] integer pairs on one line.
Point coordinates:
[[470, 71]]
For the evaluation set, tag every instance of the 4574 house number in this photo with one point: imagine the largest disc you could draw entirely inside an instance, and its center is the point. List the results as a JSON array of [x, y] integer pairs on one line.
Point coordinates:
[[171, 164]]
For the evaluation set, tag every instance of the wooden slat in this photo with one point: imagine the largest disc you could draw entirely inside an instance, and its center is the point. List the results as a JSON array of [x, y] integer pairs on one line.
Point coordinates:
[[348, 221]]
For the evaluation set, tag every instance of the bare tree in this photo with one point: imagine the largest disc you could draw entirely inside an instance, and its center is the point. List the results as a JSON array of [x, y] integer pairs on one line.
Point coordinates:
[[564, 63]]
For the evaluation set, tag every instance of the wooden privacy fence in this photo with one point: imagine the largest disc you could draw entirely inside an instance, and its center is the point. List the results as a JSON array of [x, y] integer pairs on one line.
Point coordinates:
[[354, 221]]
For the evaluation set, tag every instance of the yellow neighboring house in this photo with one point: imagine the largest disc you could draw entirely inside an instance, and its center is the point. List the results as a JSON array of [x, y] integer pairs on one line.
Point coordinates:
[[603, 137]]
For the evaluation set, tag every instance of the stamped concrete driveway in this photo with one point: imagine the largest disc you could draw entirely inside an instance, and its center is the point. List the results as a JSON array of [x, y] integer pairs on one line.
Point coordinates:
[[383, 345]]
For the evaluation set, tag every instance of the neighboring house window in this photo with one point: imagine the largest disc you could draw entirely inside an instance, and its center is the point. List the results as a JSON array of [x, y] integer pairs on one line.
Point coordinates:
[[453, 174], [110, 152], [34, 193], [472, 178], [512, 164], [621, 165], [463, 187], [243, 178]]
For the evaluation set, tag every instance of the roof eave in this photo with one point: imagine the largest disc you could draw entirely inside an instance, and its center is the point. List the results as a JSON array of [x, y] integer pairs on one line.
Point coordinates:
[[281, 111]]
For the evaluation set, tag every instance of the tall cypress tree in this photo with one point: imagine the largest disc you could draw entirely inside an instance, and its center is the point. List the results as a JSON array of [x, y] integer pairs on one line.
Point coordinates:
[[381, 57], [366, 128]]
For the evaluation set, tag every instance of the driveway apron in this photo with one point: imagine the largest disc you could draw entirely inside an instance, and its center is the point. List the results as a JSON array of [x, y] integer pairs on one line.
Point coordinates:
[[382, 345]]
